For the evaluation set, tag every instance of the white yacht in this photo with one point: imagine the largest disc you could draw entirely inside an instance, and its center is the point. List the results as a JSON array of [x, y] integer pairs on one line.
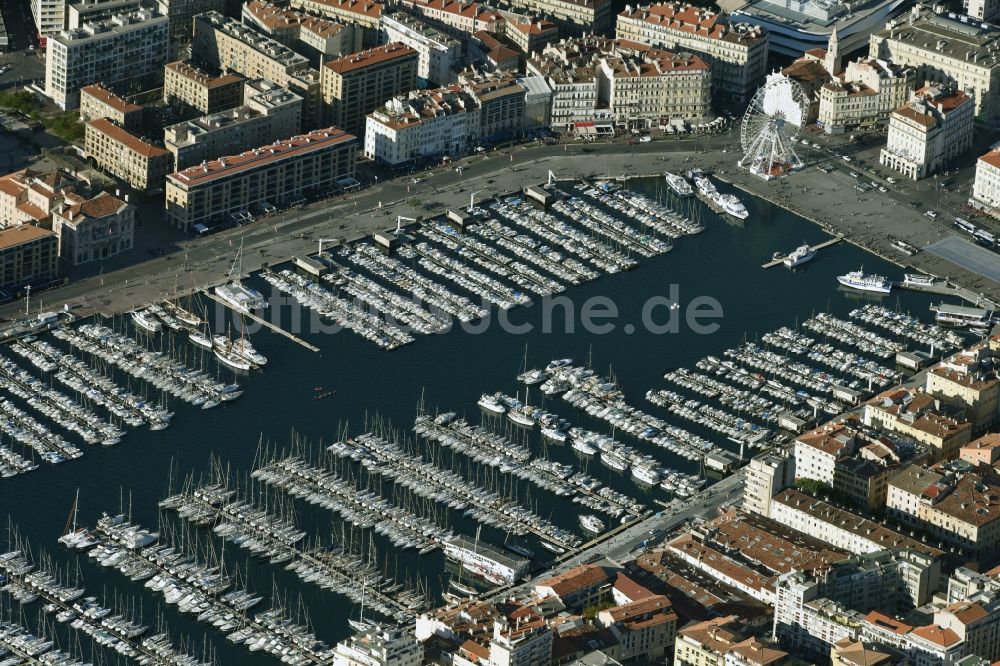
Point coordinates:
[[491, 403], [531, 377], [146, 321], [799, 256], [232, 359], [858, 280], [918, 280], [678, 184], [614, 461], [731, 205], [200, 339], [554, 434], [558, 363], [592, 523], [646, 474], [522, 416], [705, 186], [584, 447], [241, 297], [243, 347]]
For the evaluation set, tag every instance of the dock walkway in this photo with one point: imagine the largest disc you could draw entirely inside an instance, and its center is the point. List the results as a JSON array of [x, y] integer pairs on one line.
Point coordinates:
[[816, 248], [264, 322]]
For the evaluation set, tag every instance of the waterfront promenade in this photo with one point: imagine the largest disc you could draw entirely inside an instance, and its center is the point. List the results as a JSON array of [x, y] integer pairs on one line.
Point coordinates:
[[869, 220]]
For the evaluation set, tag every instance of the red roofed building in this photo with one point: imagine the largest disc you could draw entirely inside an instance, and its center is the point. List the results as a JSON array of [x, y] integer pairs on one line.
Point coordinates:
[[123, 155], [93, 229], [736, 52], [644, 628], [929, 132], [986, 190], [279, 173], [577, 588], [28, 255], [96, 101], [28, 197], [355, 85], [626, 590]]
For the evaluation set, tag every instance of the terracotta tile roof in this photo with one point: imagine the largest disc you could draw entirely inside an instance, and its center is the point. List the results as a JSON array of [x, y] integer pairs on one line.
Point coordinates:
[[371, 57], [534, 27], [687, 18], [755, 652], [363, 7], [476, 650], [24, 233], [967, 612], [191, 72], [130, 141], [830, 438], [992, 158], [935, 634], [252, 159], [99, 92], [890, 624], [633, 615], [102, 205], [817, 53], [32, 211], [631, 589], [9, 186], [578, 578]]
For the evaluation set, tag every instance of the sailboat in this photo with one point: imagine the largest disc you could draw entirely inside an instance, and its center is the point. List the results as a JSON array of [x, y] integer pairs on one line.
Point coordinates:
[[77, 538], [222, 345], [360, 624], [239, 296]]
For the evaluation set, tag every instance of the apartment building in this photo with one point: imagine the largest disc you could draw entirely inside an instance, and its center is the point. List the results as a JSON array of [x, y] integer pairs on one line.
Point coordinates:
[[461, 17], [126, 156], [188, 86], [269, 114], [765, 476], [29, 197], [96, 101], [379, 645], [926, 135], [863, 96], [124, 53], [645, 629], [439, 54], [49, 16], [967, 381], [181, 15], [986, 187], [722, 641], [28, 255], [575, 17], [489, 52], [984, 450], [576, 588], [365, 14], [93, 229], [852, 461], [88, 11], [316, 38], [921, 417], [530, 35], [951, 502], [502, 103], [735, 51], [945, 50], [306, 164], [982, 10], [355, 85], [621, 84], [225, 43], [425, 123]]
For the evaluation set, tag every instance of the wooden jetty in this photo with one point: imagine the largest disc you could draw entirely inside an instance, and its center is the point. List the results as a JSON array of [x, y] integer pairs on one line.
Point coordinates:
[[264, 322], [816, 248]]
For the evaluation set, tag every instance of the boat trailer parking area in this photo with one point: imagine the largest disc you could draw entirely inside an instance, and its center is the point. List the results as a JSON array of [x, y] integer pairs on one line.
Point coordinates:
[[967, 255]]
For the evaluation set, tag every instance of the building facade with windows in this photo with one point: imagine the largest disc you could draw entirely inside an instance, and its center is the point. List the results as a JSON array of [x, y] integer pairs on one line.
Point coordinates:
[[96, 101], [439, 54], [126, 156], [355, 85], [736, 52], [926, 135], [270, 113], [28, 255], [124, 53], [188, 86], [93, 229], [863, 96], [279, 173]]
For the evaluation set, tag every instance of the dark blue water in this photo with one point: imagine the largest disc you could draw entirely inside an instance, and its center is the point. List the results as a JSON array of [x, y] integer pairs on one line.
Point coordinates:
[[448, 372]]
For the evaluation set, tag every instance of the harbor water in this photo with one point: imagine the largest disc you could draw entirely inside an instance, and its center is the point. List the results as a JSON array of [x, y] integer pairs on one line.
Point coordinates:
[[309, 400]]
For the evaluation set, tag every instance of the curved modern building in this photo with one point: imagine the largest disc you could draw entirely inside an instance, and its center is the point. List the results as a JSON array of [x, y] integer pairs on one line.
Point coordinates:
[[797, 26]]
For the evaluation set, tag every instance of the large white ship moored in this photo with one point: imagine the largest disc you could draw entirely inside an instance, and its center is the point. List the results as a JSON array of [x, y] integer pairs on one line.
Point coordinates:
[[485, 560], [678, 184], [241, 297], [799, 256], [731, 205], [858, 280]]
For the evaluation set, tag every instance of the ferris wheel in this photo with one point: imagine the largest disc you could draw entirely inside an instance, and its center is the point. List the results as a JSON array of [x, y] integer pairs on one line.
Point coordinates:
[[771, 124]]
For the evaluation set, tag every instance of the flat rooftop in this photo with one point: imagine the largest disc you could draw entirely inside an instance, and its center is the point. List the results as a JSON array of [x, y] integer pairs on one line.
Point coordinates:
[[967, 255]]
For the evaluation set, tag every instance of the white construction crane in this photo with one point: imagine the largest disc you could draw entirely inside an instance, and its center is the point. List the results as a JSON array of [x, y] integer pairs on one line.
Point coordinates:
[[325, 240], [399, 222], [472, 199]]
